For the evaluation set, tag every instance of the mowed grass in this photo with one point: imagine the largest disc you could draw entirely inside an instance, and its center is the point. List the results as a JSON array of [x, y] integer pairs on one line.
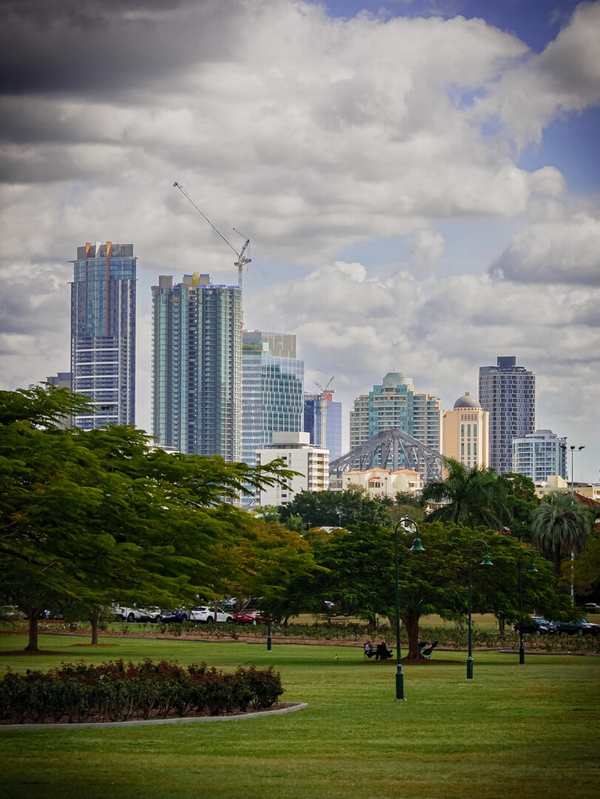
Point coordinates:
[[514, 731]]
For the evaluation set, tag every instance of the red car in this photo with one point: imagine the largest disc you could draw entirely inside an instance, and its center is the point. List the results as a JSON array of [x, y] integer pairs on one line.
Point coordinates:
[[249, 617]]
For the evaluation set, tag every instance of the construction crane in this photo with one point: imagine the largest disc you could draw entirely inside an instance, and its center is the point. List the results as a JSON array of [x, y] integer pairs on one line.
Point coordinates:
[[241, 259], [324, 398]]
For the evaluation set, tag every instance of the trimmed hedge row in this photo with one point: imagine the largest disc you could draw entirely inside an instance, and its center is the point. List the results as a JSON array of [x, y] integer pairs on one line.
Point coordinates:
[[119, 691]]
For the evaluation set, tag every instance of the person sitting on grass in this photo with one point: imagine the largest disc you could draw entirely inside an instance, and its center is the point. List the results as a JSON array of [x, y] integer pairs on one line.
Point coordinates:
[[383, 653]]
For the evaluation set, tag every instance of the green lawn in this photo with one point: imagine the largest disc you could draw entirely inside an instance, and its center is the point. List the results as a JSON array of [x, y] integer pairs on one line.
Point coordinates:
[[514, 731]]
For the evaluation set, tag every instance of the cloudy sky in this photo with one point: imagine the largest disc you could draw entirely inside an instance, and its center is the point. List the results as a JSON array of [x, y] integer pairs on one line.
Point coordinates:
[[419, 180]]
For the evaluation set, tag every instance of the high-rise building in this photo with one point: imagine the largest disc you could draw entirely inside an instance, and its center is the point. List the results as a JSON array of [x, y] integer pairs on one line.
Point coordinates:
[[197, 366], [103, 332], [507, 392], [539, 455], [395, 404], [295, 450], [465, 433], [272, 385], [60, 380], [333, 423]]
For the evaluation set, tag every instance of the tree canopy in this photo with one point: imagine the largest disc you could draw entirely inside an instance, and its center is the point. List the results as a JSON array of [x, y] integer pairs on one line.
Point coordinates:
[[337, 508], [98, 517], [560, 525]]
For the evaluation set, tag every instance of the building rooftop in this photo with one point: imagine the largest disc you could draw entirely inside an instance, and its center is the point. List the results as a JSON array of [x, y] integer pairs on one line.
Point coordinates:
[[467, 401]]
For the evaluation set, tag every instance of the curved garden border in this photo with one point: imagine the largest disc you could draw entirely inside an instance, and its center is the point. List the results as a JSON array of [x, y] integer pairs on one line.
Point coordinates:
[[148, 722]]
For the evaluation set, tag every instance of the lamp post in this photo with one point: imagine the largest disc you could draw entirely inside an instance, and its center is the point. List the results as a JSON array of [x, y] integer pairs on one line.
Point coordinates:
[[531, 570], [573, 449], [269, 633], [405, 523], [485, 562]]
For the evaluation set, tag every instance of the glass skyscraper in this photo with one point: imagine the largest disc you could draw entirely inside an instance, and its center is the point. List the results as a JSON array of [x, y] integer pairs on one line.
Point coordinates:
[[272, 390], [333, 424], [197, 366], [507, 392], [103, 332]]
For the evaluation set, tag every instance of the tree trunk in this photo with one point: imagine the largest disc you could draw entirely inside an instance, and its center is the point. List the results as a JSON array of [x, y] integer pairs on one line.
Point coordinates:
[[411, 624], [32, 645], [501, 625], [94, 616]]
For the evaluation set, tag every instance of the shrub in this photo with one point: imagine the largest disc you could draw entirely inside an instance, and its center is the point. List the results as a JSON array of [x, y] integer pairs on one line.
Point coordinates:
[[117, 691]]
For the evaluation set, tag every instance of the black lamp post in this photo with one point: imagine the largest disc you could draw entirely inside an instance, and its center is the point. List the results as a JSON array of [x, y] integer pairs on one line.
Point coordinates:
[[531, 570], [269, 634], [485, 562], [405, 523]]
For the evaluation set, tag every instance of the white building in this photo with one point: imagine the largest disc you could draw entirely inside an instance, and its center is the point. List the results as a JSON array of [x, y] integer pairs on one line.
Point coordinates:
[[301, 456], [539, 455], [383, 482]]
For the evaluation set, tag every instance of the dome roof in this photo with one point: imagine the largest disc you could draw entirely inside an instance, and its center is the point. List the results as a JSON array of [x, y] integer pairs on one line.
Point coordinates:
[[466, 402]]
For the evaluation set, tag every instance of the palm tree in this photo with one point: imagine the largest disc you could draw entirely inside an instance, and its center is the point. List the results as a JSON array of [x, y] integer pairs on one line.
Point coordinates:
[[473, 497], [560, 525]]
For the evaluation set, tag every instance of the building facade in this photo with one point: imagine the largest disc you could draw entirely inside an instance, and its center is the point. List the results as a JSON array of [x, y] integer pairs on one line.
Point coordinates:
[[103, 332], [395, 404], [333, 423], [465, 433], [540, 455], [507, 392], [272, 389], [197, 366], [298, 454], [383, 482]]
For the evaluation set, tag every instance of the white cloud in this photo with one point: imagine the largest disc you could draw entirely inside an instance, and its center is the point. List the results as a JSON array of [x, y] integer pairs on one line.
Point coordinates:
[[310, 135]]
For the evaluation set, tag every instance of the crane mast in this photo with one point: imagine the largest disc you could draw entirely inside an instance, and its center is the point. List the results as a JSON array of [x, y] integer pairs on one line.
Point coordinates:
[[241, 255]]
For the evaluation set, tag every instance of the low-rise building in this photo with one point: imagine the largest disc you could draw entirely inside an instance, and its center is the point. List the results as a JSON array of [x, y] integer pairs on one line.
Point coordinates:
[[383, 482], [298, 454]]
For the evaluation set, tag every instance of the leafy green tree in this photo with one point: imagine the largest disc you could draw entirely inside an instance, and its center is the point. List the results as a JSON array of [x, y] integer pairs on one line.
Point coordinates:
[[360, 575], [587, 567], [520, 501], [472, 497], [337, 508], [560, 525], [95, 516]]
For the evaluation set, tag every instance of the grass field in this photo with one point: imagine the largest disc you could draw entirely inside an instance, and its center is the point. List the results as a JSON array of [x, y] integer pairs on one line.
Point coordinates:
[[514, 731]]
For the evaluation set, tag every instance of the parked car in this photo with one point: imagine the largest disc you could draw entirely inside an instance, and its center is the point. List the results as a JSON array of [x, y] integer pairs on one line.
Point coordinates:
[[536, 624], [249, 617], [577, 627], [591, 607], [173, 616], [131, 614], [206, 615]]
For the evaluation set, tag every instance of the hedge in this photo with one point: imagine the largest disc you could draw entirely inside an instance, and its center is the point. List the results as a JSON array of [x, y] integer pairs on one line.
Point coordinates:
[[119, 691]]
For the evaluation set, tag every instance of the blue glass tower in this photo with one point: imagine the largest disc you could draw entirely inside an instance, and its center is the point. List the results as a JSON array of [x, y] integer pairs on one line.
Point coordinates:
[[196, 366], [103, 332], [272, 390], [333, 424]]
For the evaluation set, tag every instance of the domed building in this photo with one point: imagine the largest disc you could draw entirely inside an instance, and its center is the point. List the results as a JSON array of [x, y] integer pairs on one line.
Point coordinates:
[[465, 432]]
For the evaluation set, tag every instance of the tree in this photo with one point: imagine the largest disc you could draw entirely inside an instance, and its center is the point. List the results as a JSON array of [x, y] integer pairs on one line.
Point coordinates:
[[473, 497], [560, 526], [92, 516], [337, 508], [360, 575]]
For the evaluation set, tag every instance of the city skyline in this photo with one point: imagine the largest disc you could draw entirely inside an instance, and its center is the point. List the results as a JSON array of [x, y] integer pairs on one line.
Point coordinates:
[[419, 183]]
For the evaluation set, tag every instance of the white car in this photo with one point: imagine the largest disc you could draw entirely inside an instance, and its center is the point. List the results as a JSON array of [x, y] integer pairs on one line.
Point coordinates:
[[207, 615], [136, 614]]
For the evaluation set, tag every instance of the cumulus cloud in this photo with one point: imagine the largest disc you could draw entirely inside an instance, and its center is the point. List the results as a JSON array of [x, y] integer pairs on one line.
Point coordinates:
[[315, 137], [554, 252]]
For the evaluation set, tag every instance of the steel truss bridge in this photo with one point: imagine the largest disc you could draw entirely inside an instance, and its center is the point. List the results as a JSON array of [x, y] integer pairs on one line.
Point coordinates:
[[391, 449]]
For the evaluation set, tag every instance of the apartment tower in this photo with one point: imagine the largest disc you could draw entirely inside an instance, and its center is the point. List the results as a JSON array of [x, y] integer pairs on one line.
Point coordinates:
[[507, 392], [197, 366], [103, 333]]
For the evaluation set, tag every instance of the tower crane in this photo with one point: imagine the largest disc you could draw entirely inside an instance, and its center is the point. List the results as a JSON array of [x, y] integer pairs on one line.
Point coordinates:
[[324, 397], [241, 255]]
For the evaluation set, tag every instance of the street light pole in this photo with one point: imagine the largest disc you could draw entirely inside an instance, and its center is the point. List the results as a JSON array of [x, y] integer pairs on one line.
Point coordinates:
[[405, 523], [532, 570], [485, 562]]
